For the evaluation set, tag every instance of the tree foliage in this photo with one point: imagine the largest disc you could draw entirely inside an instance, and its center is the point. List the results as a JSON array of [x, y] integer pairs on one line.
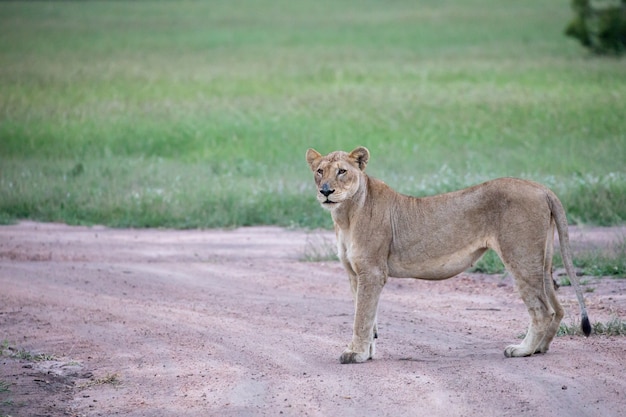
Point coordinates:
[[599, 25]]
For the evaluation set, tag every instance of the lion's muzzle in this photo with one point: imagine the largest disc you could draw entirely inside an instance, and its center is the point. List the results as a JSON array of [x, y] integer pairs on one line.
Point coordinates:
[[326, 190]]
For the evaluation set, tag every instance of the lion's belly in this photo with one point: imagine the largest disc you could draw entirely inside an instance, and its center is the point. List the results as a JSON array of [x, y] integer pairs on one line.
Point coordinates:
[[424, 267]]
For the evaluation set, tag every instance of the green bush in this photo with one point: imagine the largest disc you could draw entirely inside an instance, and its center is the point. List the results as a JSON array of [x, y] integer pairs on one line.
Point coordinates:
[[599, 25]]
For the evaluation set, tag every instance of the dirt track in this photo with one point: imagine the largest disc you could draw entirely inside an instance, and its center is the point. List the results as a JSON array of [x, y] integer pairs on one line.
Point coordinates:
[[233, 323]]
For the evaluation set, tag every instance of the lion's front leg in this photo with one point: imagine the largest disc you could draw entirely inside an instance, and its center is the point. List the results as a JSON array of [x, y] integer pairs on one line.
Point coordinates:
[[354, 287], [362, 347]]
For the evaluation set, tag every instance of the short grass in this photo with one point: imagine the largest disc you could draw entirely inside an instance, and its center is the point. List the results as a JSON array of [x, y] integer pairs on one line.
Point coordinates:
[[12, 352], [5, 389], [198, 114], [613, 327], [109, 379]]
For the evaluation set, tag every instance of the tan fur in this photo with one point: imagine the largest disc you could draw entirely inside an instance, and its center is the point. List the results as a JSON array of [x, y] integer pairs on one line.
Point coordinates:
[[382, 233]]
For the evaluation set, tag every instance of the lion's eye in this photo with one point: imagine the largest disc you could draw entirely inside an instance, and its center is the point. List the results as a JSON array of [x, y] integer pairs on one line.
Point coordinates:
[[341, 171], [320, 171]]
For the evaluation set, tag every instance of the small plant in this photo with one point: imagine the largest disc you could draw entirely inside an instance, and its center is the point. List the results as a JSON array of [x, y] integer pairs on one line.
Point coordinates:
[[572, 329], [31, 357], [565, 281], [4, 346], [112, 379], [614, 327], [7, 350], [319, 248], [599, 25], [4, 386]]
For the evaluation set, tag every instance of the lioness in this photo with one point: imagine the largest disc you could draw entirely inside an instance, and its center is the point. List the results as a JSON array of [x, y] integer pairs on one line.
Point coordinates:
[[382, 233]]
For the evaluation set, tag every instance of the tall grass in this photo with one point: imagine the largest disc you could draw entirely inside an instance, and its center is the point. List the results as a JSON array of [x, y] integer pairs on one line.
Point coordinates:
[[198, 114]]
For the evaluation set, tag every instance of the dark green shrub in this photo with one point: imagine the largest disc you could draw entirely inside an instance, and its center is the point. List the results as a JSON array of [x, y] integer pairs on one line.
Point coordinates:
[[599, 25]]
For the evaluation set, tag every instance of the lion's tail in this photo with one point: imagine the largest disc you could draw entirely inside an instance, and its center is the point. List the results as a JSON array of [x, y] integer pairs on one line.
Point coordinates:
[[558, 214]]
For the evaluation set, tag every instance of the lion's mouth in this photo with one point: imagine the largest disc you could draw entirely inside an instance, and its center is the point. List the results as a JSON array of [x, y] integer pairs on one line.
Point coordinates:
[[329, 202]]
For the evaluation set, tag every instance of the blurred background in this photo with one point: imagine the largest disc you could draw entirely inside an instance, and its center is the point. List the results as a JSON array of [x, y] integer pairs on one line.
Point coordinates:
[[199, 113]]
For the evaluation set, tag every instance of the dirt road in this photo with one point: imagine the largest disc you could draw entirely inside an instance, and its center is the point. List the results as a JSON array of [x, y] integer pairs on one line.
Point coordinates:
[[234, 323]]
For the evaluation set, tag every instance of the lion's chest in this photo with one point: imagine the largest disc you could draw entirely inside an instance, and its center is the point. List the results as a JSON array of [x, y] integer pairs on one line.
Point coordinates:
[[344, 247]]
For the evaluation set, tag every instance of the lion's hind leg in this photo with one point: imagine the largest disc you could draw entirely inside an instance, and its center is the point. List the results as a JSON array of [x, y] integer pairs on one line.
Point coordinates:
[[553, 328], [528, 269], [542, 316], [550, 289]]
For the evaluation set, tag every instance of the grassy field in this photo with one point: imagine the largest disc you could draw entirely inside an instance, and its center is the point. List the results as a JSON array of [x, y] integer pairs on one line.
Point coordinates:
[[199, 113]]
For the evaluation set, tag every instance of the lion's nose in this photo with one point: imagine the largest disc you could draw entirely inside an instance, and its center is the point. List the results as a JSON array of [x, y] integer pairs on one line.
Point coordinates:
[[326, 191]]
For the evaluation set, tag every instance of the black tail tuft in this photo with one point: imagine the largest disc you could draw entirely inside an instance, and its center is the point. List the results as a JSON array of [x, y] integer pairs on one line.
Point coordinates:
[[586, 326]]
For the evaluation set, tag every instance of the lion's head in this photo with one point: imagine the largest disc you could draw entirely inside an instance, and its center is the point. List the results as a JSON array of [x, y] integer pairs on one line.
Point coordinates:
[[338, 175]]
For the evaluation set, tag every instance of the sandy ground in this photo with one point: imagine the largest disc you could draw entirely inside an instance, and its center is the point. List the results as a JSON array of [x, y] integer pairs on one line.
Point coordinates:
[[234, 323]]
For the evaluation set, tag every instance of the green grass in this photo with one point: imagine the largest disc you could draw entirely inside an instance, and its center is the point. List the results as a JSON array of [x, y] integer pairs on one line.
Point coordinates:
[[613, 327], [5, 387], [198, 114], [22, 354], [610, 261], [490, 263]]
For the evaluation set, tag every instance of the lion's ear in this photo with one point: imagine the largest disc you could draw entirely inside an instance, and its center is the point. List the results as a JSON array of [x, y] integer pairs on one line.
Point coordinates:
[[361, 155], [311, 156]]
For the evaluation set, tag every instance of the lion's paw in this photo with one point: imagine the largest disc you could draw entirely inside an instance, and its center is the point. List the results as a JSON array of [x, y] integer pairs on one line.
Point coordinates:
[[350, 356], [517, 351], [353, 357]]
